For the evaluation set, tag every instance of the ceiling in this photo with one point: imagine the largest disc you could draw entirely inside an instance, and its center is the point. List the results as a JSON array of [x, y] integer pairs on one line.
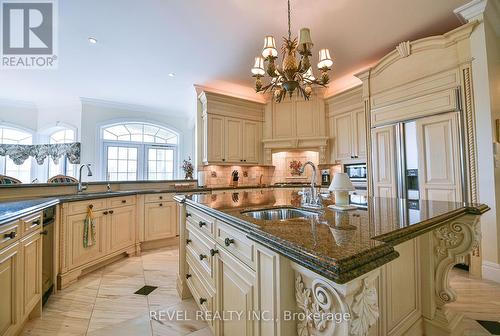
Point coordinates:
[[210, 43]]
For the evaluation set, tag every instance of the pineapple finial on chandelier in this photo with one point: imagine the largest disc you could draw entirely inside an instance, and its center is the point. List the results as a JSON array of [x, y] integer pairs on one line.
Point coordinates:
[[294, 74]]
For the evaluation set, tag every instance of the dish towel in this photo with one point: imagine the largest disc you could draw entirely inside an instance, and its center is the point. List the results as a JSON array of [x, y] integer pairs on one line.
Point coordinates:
[[89, 229]]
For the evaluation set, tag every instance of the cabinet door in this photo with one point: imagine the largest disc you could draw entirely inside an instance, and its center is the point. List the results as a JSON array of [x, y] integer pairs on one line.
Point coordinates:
[[384, 162], [122, 223], [234, 140], [251, 141], [342, 126], [10, 289], [160, 221], [235, 292], [284, 120], [439, 158], [79, 255], [359, 133], [215, 138], [306, 119], [32, 271]]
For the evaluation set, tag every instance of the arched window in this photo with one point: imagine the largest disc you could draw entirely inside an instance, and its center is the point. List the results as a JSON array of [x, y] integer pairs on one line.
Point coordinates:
[[64, 167], [12, 135], [139, 151]]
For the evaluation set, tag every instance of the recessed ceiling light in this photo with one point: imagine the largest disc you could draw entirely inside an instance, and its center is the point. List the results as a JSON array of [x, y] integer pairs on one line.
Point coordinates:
[[92, 40], [172, 74]]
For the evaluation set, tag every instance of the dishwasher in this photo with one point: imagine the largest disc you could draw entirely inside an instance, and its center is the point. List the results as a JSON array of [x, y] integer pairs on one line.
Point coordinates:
[[48, 253]]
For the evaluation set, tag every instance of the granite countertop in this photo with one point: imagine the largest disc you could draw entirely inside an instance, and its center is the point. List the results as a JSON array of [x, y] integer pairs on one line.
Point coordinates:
[[11, 210], [338, 245]]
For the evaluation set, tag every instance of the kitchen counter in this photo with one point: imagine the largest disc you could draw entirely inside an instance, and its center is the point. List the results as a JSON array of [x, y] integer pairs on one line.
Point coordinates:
[[337, 245], [14, 209]]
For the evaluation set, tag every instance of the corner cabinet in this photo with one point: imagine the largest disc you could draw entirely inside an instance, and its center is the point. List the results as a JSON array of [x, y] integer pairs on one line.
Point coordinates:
[[347, 127], [160, 217], [231, 131]]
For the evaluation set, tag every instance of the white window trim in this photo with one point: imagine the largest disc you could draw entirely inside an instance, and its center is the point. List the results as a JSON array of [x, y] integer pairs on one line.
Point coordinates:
[[33, 134], [141, 169]]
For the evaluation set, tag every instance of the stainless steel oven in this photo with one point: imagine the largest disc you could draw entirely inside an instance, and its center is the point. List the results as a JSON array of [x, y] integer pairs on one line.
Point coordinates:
[[356, 172]]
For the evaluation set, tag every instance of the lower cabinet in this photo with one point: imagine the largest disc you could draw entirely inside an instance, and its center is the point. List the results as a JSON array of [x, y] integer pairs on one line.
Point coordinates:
[[235, 292], [160, 220], [122, 223], [32, 271], [10, 289]]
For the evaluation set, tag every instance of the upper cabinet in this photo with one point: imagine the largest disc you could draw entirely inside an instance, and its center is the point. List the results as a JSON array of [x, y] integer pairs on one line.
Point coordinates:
[[231, 131], [347, 126], [296, 123]]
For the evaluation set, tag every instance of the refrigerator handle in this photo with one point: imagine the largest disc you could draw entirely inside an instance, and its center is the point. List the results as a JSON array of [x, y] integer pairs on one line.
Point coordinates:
[[400, 161]]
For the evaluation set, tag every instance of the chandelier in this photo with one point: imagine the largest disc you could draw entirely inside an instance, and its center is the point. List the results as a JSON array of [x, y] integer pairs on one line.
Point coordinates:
[[294, 74]]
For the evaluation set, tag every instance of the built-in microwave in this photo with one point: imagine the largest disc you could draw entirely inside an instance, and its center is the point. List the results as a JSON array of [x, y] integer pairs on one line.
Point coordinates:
[[356, 172]]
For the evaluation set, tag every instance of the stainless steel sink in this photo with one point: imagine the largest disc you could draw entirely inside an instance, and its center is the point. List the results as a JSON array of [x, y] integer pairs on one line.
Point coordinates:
[[280, 214]]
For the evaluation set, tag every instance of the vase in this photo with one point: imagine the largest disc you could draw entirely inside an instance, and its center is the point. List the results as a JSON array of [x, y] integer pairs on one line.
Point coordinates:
[[188, 176]]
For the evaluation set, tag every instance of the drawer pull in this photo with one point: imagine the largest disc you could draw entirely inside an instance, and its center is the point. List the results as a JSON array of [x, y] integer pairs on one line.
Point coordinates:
[[44, 232], [11, 235], [202, 300], [188, 276], [213, 252], [228, 241], [202, 224], [124, 201], [188, 214], [203, 256], [111, 212], [188, 241]]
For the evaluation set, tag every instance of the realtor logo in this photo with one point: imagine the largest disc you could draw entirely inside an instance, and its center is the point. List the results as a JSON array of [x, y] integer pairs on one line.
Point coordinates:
[[28, 34]]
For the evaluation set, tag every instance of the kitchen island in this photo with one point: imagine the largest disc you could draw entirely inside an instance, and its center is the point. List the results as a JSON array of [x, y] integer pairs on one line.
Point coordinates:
[[257, 263]]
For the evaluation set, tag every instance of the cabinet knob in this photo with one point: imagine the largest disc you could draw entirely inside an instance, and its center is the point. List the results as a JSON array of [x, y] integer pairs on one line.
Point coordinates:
[[188, 276], [35, 222], [111, 212], [124, 201], [223, 159], [188, 214], [202, 256], [228, 241], [105, 212], [213, 252], [161, 204], [188, 241], [161, 197], [44, 232], [202, 300], [10, 235], [202, 224]]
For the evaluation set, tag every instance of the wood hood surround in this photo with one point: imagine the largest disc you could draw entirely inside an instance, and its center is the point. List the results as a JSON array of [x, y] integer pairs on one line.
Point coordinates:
[[296, 124]]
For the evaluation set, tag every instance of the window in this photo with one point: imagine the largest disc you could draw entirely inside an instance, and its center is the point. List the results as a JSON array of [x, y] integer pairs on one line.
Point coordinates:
[[139, 151], [10, 135], [64, 167]]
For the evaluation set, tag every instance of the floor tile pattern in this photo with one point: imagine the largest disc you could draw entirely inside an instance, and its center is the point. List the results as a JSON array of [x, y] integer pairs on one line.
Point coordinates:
[[103, 302]]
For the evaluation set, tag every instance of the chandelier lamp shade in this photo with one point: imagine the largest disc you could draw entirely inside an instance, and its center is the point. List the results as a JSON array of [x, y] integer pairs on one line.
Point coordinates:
[[295, 72]]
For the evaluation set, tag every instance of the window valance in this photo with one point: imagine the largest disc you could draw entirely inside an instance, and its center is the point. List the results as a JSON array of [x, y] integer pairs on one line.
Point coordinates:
[[20, 153]]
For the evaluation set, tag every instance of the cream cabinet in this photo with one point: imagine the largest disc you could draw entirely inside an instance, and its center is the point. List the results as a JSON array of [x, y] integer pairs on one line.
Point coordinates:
[[235, 292], [10, 289], [347, 126], [115, 221], [160, 220], [31, 251], [231, 129], [384, 161], [284, 120]]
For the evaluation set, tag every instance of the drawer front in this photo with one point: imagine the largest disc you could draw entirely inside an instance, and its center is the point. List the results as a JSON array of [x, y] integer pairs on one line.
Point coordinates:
[[201, 295], [32, 223], [200, 249], [203, 222], [9, 233], [116, 202], [158, 197], [81, 207], [235, 243]]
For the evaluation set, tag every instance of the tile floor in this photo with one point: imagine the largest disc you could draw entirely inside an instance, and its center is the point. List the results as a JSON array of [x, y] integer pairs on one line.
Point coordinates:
[[103, 303]]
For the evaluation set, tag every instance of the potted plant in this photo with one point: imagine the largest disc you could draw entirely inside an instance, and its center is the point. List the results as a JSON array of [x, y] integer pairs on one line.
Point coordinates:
[[187, 166]]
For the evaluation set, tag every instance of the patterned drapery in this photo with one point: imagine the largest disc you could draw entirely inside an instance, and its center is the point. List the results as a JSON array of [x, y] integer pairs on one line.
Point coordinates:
[[20, 153]]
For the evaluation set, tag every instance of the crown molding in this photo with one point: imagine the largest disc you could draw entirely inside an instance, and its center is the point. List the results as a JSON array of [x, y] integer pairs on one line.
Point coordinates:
[[488, 8], [257, 98]]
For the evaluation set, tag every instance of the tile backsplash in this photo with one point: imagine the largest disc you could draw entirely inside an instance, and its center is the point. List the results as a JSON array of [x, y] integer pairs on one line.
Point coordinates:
[[220, 176]]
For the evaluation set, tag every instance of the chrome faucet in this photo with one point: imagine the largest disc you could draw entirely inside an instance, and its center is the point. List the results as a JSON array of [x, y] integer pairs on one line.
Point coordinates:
[[313, 200], [80, 187]]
